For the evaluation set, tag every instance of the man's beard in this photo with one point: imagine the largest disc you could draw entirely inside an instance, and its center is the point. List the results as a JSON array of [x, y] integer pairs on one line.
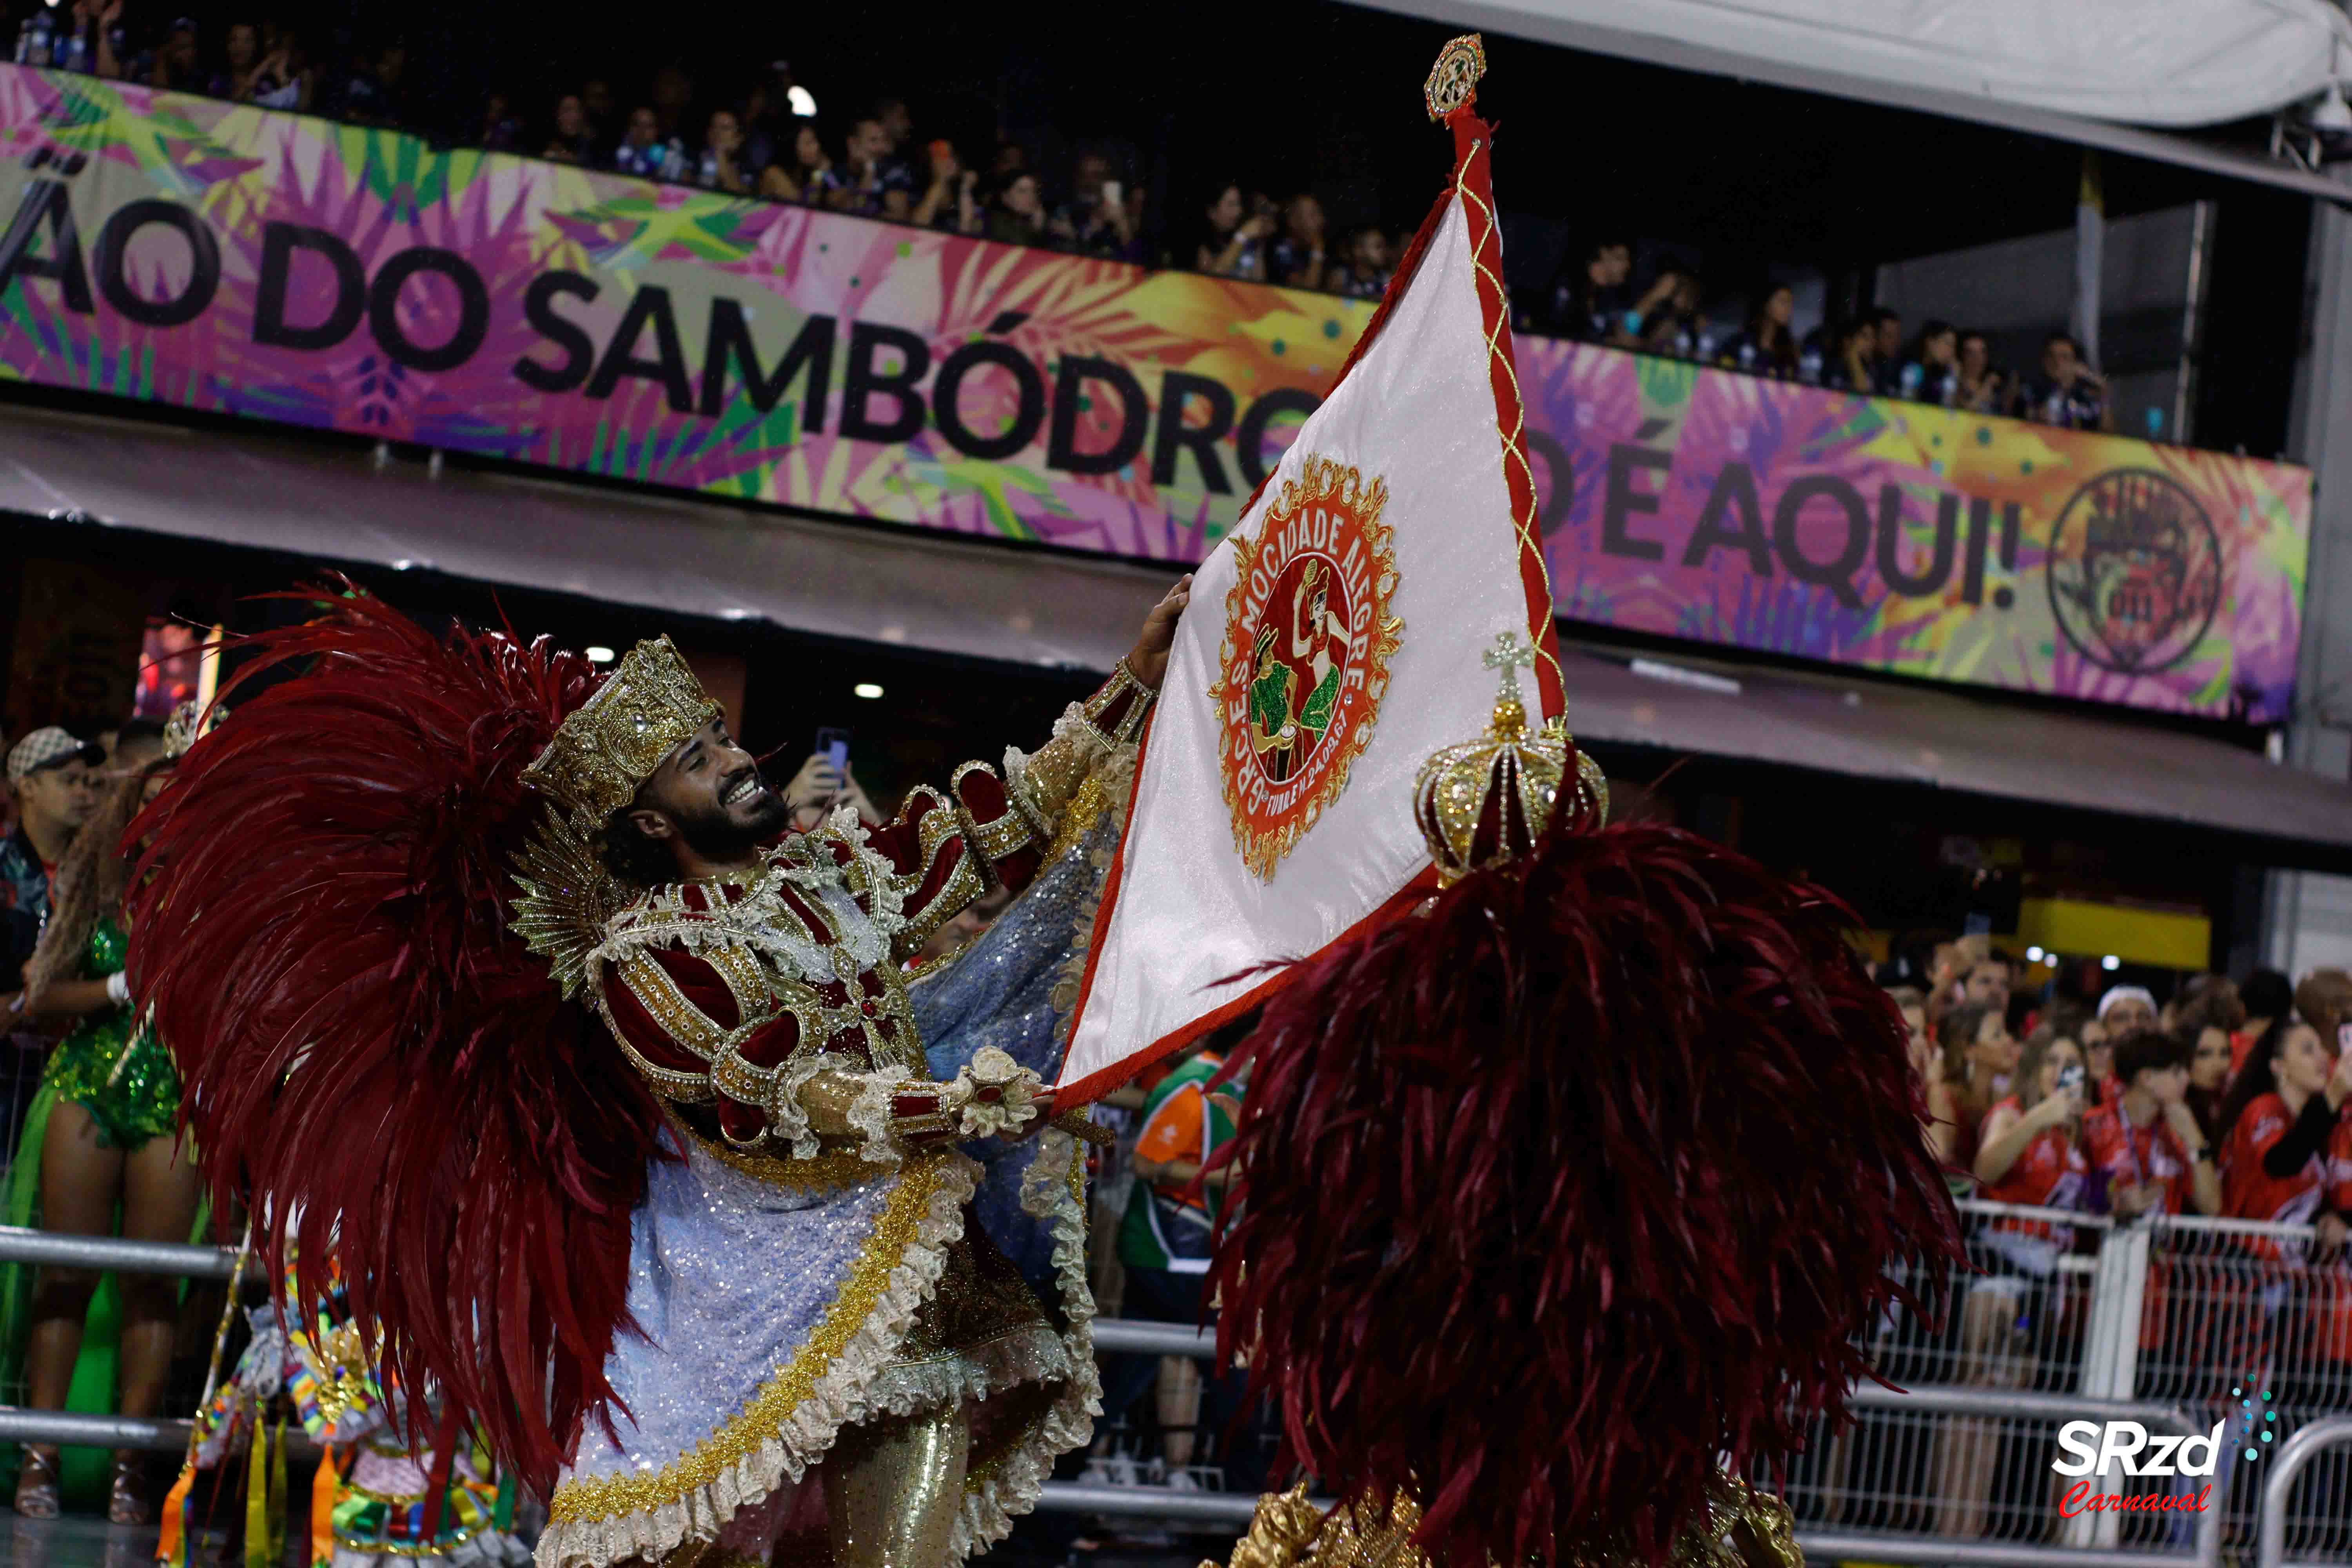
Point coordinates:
[[717, 836]]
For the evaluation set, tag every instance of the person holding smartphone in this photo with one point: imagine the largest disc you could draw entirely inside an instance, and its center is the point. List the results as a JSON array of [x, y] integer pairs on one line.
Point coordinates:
[[2030, 1153], [825, 782], [2068, 393], [1095, 222]]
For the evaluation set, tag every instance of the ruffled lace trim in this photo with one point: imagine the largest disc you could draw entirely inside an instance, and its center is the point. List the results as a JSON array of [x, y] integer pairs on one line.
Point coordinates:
[[869, 1114], [840, 1397], [1034, 1354], [788, 1120], [884, 893], [1011, 1488]]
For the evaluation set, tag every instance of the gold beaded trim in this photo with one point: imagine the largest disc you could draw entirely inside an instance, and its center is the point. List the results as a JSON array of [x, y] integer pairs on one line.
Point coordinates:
[[585, 1501], [844, 1168], [679, 1018]]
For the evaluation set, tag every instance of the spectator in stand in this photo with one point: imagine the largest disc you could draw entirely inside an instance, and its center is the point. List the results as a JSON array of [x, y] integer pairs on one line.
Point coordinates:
[[719, 168], [2018, 1157], [285, 79], [1233, 245], [2067, 393], [106, 1128], [809, 176], [1296, 259], [174, 66], [2268, 997], [1672, 321], [87, 38], [2029, 1153], [2125, 1008], [2194, 991], [1368, 269], [54, 780], [1589, 305], [1887, 351], [948, 201], [643, 152], [770, 119], [501, 127], [373, 93], [2324, 1001], [877, 184], [1932, 374], [1978, 382], [1168, 1233], [1980, 1058], [596, 98], [1987, 982], [672, 94], [2206, 1021], [1094, 222], [571, 143], [2148, 1154], [1848, 366], [2276, 1125], [898, 122], [241, 54], [1017, 215], [1767, 346]]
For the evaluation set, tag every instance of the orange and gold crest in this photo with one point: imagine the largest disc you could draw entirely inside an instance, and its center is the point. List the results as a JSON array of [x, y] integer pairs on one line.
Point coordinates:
[[1305, 661]]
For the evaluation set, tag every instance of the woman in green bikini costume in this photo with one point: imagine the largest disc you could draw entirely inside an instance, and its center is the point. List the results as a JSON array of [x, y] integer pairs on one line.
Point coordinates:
[[101, 1137]]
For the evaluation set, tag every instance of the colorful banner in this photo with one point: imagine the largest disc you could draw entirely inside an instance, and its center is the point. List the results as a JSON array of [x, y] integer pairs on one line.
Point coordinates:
[[191, 252]]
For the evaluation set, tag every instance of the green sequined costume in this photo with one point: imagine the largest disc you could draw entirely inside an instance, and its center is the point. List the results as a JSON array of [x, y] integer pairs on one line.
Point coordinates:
[[118, 1072], [141, 1102]]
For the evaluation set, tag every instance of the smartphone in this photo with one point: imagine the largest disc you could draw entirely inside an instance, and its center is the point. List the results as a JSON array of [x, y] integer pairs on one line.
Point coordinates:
[[832, 745], [2070, 1079], [2343, 1038], [1113, 193]]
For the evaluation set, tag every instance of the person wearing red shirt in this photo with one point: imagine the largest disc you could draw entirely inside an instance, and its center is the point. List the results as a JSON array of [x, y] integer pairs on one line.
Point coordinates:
[[2028, 1153], [1980, 1057], [2146, 1152], [2276, 1125]]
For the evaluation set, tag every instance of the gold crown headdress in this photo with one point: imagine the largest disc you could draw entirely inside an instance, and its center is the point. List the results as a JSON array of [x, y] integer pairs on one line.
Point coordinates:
[[601, 755], [1484, 801], [612, 742]]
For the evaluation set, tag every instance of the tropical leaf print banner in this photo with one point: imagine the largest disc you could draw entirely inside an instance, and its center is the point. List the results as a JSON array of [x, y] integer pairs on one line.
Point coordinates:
[[185, 251]]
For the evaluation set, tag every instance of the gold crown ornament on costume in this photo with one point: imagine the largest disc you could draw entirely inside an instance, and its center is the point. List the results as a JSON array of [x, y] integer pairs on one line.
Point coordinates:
[[189, 721], [1484, 801], [612, 742]]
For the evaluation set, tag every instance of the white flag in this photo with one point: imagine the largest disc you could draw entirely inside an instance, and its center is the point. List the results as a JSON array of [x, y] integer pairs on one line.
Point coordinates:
[[1334, 641]]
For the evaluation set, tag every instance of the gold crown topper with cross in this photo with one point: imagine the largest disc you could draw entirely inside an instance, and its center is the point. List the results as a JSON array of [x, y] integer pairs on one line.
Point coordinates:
[[1480, 801]]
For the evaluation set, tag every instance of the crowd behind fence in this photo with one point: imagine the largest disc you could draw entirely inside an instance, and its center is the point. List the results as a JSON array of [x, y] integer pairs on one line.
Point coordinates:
[[2180, 1322]]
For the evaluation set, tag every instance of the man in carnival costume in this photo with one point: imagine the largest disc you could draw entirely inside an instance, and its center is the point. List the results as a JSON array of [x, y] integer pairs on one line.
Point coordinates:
[[621, 1121]]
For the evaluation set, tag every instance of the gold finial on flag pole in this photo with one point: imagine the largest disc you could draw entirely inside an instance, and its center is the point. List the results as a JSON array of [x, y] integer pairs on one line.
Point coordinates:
[[1454, 81]]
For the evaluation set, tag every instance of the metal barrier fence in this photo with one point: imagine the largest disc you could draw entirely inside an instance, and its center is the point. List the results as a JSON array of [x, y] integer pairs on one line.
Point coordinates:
[[2179, 1324]]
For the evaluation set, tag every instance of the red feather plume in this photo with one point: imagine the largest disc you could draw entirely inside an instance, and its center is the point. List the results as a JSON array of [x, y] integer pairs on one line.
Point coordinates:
[[323, 937], [1576, 1182]]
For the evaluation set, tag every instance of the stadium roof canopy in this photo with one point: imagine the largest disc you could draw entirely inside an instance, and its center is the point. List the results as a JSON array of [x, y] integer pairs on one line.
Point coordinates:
[[2094, 72]]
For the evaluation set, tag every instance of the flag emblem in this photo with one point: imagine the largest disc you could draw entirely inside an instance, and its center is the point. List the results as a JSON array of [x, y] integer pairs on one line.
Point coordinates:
[[1303, 663]]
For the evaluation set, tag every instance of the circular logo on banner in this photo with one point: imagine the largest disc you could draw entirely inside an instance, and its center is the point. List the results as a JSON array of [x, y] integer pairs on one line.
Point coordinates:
[[2135, 571], [1305, 660]]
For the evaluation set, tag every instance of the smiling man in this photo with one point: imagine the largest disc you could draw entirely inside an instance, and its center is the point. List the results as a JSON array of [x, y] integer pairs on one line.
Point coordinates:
[[753, 976], [727, 1233]]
